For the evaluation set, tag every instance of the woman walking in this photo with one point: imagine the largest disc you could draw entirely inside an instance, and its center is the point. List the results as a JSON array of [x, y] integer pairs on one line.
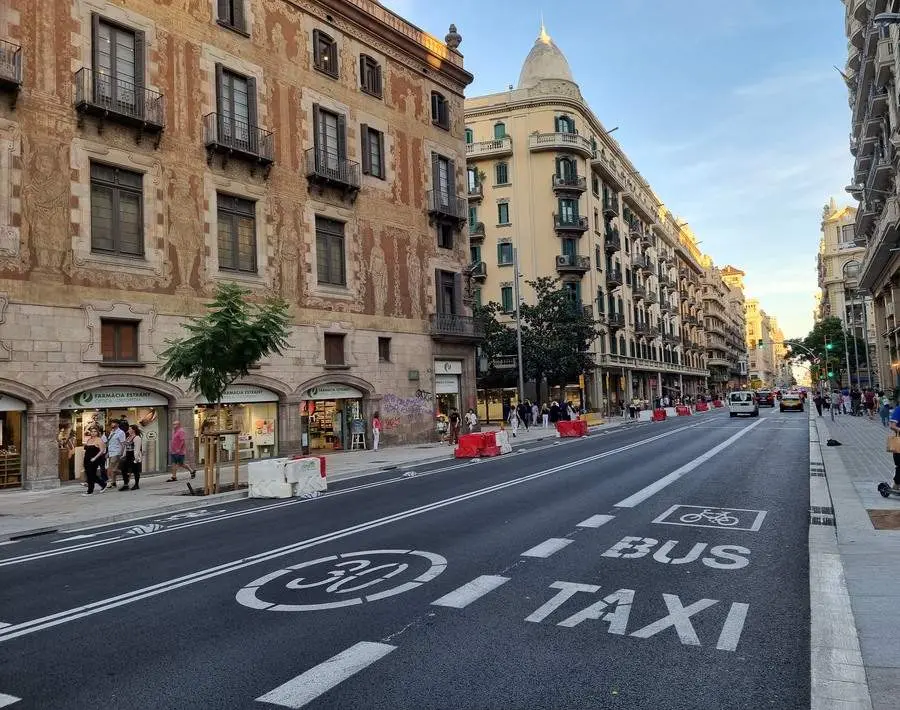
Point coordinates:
[[514, 420], [884, 408], [134, 457], [94, 450]]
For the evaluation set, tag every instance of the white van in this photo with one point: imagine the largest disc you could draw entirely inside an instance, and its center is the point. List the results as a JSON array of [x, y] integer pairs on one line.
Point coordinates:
[[742, 403]]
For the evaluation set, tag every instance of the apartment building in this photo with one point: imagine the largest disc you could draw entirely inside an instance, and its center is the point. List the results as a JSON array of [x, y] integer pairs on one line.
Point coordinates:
[[839, 263], [760, 337], [871, 73], [547, 180], [150, 150], [784, 373], [723, 309]]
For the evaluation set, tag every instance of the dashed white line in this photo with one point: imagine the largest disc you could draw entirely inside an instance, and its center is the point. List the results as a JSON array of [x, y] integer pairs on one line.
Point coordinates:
[[318, 680], [471, 591], [595, 521], [6, 700], [548, 547]]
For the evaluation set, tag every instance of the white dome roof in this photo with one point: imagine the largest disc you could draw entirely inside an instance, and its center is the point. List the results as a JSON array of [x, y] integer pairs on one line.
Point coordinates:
[[545, 61]]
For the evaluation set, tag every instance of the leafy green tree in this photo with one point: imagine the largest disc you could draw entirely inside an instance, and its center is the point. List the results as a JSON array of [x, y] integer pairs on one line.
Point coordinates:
[[830, 341], [499, 340], [222, 345]]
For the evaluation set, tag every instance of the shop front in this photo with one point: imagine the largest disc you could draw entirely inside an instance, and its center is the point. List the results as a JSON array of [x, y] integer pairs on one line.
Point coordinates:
[[12, 440], [332, 412], [249, 411], [102, 405], [447, 375]]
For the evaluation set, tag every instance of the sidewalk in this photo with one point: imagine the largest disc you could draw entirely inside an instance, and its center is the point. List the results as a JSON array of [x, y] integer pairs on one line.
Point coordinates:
[[64, 508], [870, 556]]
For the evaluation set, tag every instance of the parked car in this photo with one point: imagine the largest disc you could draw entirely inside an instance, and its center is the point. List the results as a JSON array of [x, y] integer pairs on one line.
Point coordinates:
[[742, 402], [765, 398], [791, 401]]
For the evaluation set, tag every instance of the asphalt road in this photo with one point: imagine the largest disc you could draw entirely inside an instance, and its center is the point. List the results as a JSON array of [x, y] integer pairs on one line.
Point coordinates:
[[654, 566]]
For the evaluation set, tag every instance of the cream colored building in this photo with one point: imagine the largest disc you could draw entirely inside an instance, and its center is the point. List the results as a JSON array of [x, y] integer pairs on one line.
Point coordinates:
[[760, 336], [839, 262], [546, 179], [723, 308]]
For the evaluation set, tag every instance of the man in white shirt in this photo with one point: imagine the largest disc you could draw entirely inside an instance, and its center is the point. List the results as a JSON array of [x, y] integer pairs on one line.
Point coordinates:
[[115, 448]]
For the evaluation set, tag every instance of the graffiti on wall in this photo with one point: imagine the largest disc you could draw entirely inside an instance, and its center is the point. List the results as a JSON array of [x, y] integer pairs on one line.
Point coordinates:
[[406, 406]]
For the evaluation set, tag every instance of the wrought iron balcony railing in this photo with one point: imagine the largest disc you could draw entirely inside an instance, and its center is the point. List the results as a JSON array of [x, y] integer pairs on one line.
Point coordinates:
[[443, 204], [224, 133], [10, 64], [328, 169], [451, 326], [114, 98]]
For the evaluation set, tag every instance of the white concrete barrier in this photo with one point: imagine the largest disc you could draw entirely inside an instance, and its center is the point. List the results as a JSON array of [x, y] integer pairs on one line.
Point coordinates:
[[502, 438], [645, 415], [271, 489], [305, 476], [670, 412]]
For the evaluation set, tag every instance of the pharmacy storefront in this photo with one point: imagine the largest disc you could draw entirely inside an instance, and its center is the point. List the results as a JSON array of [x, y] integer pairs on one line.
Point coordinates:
[[101, 406], [447, 376], [332, 411], [12, 440], [250, 411]]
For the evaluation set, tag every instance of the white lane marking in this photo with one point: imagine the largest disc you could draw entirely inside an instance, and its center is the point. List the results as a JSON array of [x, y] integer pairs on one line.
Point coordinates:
[[595, 521], [733, 626], [548, 547], [9, 542], [679, 616], [318, 680], [471, 591], [100, 543], [62, 617], [6, 700], [720, 518], [654, 488], [3, 624]]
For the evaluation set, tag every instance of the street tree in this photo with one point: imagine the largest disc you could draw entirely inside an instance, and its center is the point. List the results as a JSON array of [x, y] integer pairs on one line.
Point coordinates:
[[499, 342], [830, 346]]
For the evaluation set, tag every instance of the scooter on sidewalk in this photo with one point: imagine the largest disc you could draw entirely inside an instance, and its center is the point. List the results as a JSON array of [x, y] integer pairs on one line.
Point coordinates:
[[887, 490]]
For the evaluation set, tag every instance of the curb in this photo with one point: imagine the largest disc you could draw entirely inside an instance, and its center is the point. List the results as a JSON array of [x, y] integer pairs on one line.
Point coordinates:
[[836, 665]]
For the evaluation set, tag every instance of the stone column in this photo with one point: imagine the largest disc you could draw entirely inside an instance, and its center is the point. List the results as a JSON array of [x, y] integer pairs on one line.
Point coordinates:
[[41, 464], [289, 425]]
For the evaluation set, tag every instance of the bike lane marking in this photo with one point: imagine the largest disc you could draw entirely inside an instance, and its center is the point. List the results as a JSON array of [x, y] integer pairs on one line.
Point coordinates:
[[716, 517]]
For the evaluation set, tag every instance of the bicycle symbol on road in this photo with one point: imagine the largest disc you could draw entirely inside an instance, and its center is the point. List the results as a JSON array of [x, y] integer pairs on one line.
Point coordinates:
[[342, 580], [702, 516]]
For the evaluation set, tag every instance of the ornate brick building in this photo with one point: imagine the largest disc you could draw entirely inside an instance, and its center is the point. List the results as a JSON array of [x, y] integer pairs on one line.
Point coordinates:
[[152, 148]]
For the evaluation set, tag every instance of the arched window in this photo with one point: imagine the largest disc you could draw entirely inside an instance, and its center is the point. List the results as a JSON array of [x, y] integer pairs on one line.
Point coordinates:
[[325, 53], [501, 174], [470, 137], [851, 270], [499, 130], [566, 168], [565, 124], [622, 345]]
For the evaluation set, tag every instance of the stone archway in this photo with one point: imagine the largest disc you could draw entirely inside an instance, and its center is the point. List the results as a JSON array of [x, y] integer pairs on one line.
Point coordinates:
[[364, 386], [29, 395], [113, 379]]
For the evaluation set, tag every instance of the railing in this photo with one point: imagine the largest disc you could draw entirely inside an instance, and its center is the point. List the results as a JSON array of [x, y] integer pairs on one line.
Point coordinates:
[[452, 325], [110, 95], [611, 206], [587, 311], [225, 132], [612, 242], [549, 141], [575, 182], [614, 276], [476, 191], [571, 223], [638, 292], [573, 262], [616, 320], [484, 149], [642, 328], [444, 204], [476, 229], [652, 297], [640, 261], [10, 63], [327, 167]]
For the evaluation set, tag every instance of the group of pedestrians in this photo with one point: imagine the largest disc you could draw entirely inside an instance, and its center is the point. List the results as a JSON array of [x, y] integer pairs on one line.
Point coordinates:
[[854, 402], [120, 451], [529, 414]]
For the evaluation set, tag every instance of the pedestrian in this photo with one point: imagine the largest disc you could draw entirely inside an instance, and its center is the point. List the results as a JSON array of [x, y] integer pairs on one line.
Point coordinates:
[[895, 427], [884, 410], [632, 408], [376, 430], [454, 426], [869, 402], [523, 410], [836, 400], [846, 401], [94, 450], [471, 420], [115, 447], [545, 415], [570, 412], [817, 400], [134, 457], [535, 413], [514, 420], [554, 412], [178, 451]]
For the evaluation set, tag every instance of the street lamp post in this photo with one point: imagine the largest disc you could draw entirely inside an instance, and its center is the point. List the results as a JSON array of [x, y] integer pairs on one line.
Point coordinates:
[[518, 325]]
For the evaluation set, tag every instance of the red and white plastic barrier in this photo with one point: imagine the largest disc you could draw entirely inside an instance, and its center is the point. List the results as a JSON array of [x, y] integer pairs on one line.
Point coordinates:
[[701, 407], [491, 443], [683, 411], [576, 428]]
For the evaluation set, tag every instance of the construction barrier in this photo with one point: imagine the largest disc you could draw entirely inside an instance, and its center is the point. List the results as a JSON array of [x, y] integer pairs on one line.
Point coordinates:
[[287, 477], [659, 415], [701, 407], [718, 403], [568, 429], [491, 443], [469, 446], [645, 415], [670, 412], [682, 411]]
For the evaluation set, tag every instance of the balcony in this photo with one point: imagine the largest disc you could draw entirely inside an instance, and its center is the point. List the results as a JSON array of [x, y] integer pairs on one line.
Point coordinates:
[[857, 34], [570, 224], [326, 170], [496, 148], [611, 242], [642, 328], [884, 61], [603, 162], [478, 271], [476, 192], [640, 261], [10, 66], [476, 231], [452, 328], [878, 100], [639, 293], [561, 141], [574, 184], [616, 320], [614, 278], [573, 264], [113, 99], [610, 206], [651, 297], [445, 207], [879, 171], [227, 136], [879, 251]]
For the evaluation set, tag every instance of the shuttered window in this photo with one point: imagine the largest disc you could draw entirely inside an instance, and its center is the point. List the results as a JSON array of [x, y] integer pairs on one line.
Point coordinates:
[[501, 174], [325, 54], [119, 340], [237, 110], [502, 213], [237, 233], [370, 76], [231, 14], [372, 152], [334, 349], [330, 267], [118, 63], [504, 254], [506, 299], [440, 110], [117, 211]]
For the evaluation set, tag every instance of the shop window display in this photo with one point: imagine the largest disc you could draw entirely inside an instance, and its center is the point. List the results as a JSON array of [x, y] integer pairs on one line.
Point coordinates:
[[256, 425], [331, 423], [11, 436]]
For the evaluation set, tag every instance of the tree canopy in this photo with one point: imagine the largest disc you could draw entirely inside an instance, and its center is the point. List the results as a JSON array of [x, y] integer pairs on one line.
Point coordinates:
[[830, 332]]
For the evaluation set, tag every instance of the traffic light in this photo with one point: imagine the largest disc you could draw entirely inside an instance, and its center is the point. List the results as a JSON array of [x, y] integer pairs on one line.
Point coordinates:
[[829, 346]]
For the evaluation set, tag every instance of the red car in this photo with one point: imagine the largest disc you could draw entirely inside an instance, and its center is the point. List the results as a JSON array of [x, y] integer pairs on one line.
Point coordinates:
[[766, 398]]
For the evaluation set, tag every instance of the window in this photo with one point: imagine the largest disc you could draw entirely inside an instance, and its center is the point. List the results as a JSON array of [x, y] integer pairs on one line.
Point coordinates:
[[506, 299], [566, 168], [600, 300], [236, 108], [231, 14], [477, 297], [598, 257], [847, 233], [473, 217], [568, 211], [325, 54], [384, 349], [499, 131], [117, 211], [334, 349], [440, 110], [445, 235], [501, 174], [119, 340], [330, 252], [565, 124], [470, 137], [372, 152], [370, 76], [449, 292], [330, 135], [118, 56], [502, 213], [237, 233], [475, 253], [595, 185], [569, 247], [472, 181], [504, 254]]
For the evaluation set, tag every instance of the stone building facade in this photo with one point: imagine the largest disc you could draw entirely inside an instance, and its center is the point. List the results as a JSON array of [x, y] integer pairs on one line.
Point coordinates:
[[150, 149]]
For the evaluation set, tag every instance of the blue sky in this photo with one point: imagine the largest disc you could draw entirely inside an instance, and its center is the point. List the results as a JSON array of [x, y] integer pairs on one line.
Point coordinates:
[[731, 110]]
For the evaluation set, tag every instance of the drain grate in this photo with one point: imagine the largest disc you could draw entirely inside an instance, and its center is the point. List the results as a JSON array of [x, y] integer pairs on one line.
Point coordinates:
[[816, 474], [821, 510], [826, 520]]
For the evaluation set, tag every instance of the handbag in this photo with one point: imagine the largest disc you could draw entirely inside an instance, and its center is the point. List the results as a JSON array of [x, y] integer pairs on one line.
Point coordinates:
[[893, 444]]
